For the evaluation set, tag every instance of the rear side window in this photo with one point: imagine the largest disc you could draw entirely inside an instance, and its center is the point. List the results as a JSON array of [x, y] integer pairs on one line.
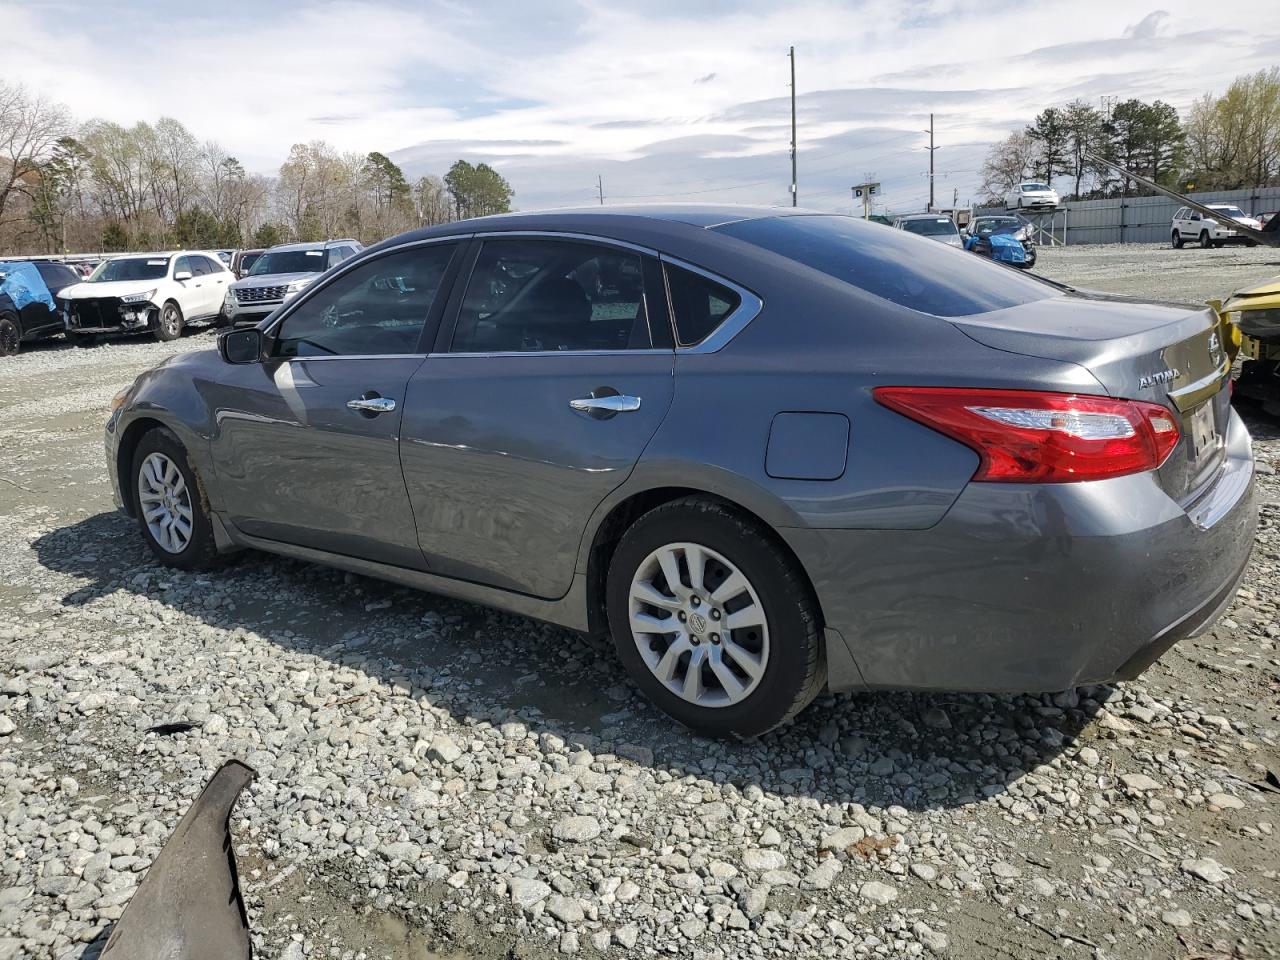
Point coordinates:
[[214, 265], [922, 275], [537, 295], [698, 303]]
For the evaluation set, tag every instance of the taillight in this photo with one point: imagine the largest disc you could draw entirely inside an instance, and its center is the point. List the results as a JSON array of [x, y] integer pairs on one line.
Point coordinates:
[[1028, 436]]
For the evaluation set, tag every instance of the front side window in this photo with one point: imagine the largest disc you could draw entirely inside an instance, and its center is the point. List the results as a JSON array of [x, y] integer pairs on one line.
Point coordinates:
[[200, 267], [131, 268], [931, 278], [377, 309], [532, 295], [698, 303], [182, 266]]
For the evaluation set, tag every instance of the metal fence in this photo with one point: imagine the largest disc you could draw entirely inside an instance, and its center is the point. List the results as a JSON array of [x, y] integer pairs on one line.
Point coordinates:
[[1134, 219]]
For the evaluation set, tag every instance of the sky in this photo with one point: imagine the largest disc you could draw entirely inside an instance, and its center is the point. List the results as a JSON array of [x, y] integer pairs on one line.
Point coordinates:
[[663, 100]]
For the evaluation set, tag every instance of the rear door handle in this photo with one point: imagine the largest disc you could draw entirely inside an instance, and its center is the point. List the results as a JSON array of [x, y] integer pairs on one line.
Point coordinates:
[[372, 406], [606, 406]]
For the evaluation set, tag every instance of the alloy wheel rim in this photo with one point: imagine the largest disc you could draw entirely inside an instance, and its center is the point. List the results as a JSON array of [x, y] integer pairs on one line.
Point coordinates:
[[699, 625], [171, 320], [165, 502]]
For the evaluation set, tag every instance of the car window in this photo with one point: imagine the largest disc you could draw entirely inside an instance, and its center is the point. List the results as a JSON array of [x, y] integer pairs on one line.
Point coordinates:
[[1181, 214], [530, 295], [932, 278], [377, 309], [55, 275], [698, 303], [182, 263], [335, 256], [214, 265], [199, 266]]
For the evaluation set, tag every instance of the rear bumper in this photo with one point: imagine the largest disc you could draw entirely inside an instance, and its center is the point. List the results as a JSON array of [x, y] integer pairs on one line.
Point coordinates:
[[1033, 588]]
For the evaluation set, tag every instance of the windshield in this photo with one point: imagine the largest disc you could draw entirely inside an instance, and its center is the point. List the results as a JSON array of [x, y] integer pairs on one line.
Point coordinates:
[[986, 227], [930, 277], [288, 261], [1034, 187], [131, 268], [932, 227], [1229, 210]]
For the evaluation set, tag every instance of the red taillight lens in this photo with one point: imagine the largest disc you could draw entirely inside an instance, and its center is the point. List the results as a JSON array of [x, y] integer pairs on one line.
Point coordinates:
[[1026, 436]]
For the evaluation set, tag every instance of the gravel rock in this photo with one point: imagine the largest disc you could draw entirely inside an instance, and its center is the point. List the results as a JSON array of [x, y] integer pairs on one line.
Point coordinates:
[[577, 829], [878, 893]]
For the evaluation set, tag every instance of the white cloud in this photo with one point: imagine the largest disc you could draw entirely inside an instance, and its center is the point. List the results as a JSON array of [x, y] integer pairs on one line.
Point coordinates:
[[660, 98]]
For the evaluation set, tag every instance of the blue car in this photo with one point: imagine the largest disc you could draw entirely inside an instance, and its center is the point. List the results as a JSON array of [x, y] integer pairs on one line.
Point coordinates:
[[28, 301]]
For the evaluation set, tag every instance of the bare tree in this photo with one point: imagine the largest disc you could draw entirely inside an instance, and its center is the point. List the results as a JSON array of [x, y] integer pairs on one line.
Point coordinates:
[[30, 127], [1006, 165]]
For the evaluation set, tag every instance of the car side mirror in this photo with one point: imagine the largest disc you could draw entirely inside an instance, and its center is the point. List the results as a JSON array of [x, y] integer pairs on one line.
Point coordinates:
[[182, 275], [242, 346]]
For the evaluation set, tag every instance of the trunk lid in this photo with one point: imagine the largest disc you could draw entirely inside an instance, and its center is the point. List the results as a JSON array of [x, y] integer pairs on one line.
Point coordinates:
[[1162, 353]]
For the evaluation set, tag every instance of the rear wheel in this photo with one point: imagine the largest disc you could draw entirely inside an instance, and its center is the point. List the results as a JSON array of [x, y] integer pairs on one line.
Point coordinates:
[[10, 336], [1204, 240], [1177, 240], [169, 323], [170, 503], [713, 620]]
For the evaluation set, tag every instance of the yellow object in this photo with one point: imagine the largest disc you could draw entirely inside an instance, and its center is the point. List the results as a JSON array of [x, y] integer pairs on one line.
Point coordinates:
[[1263, 296]]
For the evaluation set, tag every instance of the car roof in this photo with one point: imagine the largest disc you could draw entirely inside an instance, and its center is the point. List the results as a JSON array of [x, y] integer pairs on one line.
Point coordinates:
[[924, 216], [309, 244]]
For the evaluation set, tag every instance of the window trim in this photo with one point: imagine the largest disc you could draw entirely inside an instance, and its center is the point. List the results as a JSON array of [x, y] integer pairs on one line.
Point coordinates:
[[353, 262], [748, 308]]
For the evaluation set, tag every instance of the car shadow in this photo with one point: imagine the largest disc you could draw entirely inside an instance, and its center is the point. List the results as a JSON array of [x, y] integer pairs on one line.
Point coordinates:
[[919, 751]]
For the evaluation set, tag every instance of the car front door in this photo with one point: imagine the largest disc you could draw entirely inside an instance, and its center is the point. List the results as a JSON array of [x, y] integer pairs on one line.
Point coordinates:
[[306, 444], [534, 407]]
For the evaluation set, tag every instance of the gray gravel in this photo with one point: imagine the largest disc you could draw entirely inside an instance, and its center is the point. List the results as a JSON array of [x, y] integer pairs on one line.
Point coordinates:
[[439, 779]]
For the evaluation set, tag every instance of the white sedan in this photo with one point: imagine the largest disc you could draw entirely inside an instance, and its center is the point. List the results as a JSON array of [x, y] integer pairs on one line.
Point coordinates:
[[1033, 195]]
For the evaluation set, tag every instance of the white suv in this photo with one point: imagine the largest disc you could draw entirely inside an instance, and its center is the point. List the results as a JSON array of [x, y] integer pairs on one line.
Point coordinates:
[[156, 292], [1188, 224], [1033, 195]]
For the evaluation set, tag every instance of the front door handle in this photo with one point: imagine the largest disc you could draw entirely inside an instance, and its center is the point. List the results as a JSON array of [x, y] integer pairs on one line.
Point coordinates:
[[606, 406], [371, 405]]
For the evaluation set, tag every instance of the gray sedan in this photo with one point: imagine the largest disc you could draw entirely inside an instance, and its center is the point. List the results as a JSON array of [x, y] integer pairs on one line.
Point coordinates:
[[770, 452]]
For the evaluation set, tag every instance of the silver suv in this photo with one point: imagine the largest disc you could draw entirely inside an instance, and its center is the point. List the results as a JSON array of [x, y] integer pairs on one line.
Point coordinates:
[[279, 274]]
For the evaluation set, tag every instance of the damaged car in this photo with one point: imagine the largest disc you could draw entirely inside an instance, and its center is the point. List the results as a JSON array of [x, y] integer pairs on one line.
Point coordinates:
[[1255, 313], [157, 293], [1006, 239], [28, 301]]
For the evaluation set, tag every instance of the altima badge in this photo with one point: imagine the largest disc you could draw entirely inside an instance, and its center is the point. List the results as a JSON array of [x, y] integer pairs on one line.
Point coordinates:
[[1160, 376]]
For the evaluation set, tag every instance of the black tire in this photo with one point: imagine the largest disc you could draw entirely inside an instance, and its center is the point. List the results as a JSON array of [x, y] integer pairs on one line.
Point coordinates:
[[1205, 242], [796, 668], [200, 552], [168, 322], [10, 336], [1177, 240]]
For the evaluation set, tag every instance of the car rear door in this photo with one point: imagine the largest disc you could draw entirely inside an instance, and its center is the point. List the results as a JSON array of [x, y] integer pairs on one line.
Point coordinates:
[[307, 444], [537, 403]]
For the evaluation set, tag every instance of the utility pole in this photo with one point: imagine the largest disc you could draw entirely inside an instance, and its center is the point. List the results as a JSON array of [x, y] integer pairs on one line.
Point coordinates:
[[931, 149], [955, 197], [1107, 103], [794, 190], [600, 188]]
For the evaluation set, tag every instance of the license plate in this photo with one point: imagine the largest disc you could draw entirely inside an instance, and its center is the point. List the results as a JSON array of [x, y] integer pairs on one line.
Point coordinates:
[[1204, 438]]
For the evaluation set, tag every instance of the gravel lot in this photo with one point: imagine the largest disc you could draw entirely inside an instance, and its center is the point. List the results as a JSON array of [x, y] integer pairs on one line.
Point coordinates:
[[438, 780]]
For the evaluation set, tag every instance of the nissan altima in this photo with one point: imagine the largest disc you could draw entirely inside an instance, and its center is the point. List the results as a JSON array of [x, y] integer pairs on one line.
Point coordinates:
[[768, 451]]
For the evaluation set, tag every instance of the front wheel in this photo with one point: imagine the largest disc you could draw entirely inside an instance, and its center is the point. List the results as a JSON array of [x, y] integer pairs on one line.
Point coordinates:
[[1205, 242], [10, 337], [714, 621], [169, 323], [170, 503], [1177, 240]]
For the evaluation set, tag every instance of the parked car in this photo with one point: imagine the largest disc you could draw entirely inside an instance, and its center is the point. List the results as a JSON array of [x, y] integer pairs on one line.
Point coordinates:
[[156, 292], [1190, 225], [1033, 195], [1255, 313], [930, 225], [243, 260], [1007, 239], [28, 301], [280, 273], [777, 451]]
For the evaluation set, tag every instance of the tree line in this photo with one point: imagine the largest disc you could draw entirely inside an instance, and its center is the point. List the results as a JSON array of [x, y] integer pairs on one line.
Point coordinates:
[[67, 187], [1223, 143]]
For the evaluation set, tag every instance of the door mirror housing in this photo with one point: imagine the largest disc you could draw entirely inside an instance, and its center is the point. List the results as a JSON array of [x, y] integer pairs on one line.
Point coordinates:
[[182, 275], [242, 346]]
